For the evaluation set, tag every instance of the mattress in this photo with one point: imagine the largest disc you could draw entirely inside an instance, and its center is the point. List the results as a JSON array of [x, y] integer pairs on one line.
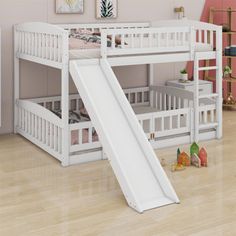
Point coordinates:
[[93, 51]]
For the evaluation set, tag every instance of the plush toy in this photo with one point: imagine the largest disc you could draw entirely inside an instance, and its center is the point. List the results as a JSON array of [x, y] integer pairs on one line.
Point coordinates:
[[184, 159], [194, 149], [203, 157], [195, 160]]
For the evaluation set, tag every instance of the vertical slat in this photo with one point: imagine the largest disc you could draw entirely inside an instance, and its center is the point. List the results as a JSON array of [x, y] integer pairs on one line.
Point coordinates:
[[212, 116], [40, 45], [80, 134], [174, 102], [165, 103], [158, 40], [179, 103], [60, 140], [162, 124], [212, 37], [169, 102], [132, 41], [32, 124], [171, 122], [47, 133], [205, 36], [141, 40], [199, 36], [150, 40], [178, 121], [160, 107], [36, 126], [43, 131], [51, 135]]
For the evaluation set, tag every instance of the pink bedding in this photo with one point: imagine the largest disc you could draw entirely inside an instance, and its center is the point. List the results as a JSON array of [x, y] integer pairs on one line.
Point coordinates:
[[79, 44]]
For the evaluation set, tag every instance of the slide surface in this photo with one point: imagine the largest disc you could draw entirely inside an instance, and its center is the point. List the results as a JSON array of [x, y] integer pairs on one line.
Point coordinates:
[[139, 173]]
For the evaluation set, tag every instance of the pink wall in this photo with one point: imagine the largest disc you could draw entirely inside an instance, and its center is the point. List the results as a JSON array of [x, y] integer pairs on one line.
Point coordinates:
[[41, 81], [220, 19]]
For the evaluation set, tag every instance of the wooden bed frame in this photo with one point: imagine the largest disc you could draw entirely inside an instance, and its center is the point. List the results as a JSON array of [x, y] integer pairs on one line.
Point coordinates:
[[181, 117]]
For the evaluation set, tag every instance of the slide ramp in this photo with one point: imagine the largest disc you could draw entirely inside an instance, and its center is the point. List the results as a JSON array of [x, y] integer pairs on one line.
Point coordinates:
[[139, 173]]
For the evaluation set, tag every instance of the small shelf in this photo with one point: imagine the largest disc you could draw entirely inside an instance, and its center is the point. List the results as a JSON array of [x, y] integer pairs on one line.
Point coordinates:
[[230, 32], [229, 56], [223, 10], [228, 80], [229, 105]]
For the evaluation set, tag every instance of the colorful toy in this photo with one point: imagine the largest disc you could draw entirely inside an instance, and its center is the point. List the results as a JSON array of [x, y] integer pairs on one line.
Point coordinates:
[[184, 159], [194, 149], [177, 167], [195, 160], [178, 153], [203, 157]]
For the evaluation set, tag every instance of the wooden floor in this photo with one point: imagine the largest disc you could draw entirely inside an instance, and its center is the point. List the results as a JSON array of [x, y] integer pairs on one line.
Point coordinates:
[[39, 197]]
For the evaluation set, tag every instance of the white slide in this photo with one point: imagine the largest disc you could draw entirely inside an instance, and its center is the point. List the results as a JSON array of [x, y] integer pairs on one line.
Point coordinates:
[[139, 173]]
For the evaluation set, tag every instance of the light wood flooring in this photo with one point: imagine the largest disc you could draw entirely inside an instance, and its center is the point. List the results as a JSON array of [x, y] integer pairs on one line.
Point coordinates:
[[39, 197]]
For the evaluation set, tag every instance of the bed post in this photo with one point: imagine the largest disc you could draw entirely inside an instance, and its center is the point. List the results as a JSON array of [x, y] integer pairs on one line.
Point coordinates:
[[150, 82], [16, 79], [219, 88], [196, 98], [65, 100]]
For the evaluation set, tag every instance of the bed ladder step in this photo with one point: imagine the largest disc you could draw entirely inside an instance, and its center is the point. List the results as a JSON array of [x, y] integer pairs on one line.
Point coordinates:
[[208, 68], [211, 95]]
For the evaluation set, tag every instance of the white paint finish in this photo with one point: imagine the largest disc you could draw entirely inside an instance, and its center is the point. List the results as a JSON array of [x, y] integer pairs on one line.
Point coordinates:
[[41, 81], [144, 184]]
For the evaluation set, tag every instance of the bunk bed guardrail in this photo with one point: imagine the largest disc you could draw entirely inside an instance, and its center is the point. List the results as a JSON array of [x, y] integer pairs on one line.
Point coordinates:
[[174, 117], [42, 43], [41, 126], [48, 44]]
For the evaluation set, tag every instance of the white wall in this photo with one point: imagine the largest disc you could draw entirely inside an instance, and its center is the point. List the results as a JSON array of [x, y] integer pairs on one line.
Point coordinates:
[[41, 81]]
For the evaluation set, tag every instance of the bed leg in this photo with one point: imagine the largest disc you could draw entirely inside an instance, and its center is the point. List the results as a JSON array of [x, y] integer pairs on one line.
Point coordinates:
[[16, 92]]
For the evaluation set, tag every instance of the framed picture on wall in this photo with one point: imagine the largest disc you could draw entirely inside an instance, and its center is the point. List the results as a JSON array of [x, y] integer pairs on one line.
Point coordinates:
[[69, 6], [106, 9]]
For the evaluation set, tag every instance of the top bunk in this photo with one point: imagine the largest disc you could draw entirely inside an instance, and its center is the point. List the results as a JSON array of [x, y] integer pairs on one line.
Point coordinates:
[[120, 43]]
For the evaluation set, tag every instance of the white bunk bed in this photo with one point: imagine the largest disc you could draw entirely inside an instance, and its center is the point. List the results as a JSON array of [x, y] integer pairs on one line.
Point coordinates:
[[169, 116]]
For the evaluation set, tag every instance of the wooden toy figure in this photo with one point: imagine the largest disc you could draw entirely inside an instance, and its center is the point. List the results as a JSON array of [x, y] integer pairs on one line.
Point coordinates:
[[194, 149], [203, 157], [184, 159], [178, 153], [195, 160]]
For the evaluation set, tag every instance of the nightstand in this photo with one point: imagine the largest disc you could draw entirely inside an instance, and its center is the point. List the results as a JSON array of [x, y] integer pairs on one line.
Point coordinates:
[[205, 87]]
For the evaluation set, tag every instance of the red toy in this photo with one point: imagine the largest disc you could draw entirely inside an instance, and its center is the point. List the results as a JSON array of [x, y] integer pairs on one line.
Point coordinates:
[[203, 157]]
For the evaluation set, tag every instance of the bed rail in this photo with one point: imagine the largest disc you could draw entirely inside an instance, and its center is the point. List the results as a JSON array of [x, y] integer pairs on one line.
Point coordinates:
[[41, 43], [41, 126], [170, 98], [203, 32], [144, 41]]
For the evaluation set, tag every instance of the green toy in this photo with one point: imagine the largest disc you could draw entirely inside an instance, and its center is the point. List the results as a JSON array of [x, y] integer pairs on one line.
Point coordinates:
[[194, 149], [178, 153]]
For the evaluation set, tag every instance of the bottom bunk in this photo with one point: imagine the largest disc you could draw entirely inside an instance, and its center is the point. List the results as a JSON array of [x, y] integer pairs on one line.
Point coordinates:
[[165, 113]]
